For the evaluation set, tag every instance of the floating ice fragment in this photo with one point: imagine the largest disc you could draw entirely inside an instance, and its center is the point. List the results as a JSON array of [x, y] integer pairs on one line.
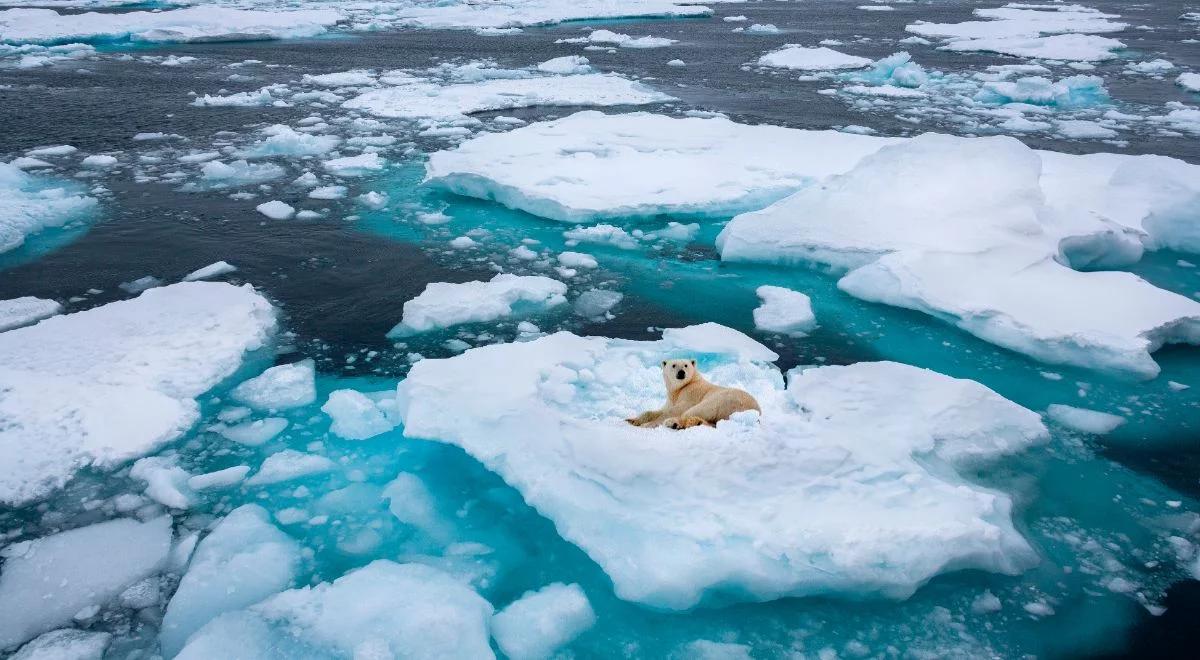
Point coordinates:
[[355, 415], [1084, 420], [280, 387], [27, 310], [276, 210], [210, 271], [289, 464], [784, 311], [541, 622], [793, 56], [443, 304]]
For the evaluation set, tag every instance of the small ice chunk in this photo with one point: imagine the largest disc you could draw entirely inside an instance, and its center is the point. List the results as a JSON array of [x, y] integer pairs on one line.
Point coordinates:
[[255, 433], [596, 303], [281, 387], [220, 478], [986, 603], [567, 65], [1189, 81], [577, 260], [210, 271], [140, 284], [99, 161], [65, 644], [442, 304], [327, 192], [355, 415], [541, 622], [1084, 420], [793, 56], [276, 210], [242, 561], [381, 610], [47, 580], [289, 464], [350, 166], [166, 482], [784, 311], [27, 310]]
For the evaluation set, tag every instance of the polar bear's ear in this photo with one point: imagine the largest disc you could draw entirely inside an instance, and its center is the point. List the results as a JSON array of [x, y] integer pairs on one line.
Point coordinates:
[[664, 363], [693, 363]]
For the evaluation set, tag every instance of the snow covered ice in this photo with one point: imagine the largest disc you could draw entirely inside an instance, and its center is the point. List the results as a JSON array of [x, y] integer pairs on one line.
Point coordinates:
[[30, 204], [383, 609], [540, 622], [641, 164], [26, 310], [831, 507], [47, 581], [100, 387], [442, 304]]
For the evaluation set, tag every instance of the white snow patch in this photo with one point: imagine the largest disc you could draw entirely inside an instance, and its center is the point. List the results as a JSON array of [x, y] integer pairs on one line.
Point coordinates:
[[443, 304]]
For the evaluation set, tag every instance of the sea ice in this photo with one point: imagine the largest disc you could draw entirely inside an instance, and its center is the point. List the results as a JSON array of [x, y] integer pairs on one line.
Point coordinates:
[[1056, 32], [1189, 81], [242, 561], [1084, 420], [253, 433], [608, 37], [443, 304], [166, 482], [217, 174], [65, 644], [382, 610], [280, 387], [287, 465], [793, 56], [641, 164], [199, 24], [419, 99], [355, 415], [210, 271], [27, 310], [541, 622], [965, 234], [276, 210], [284, 140], [833, 489], [350, 166], [784, 311], [473, 16], [100, 387], [46, 581], [30, 203]]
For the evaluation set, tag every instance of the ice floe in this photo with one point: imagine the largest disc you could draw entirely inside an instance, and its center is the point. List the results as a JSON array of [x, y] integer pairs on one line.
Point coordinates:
[[784, 311], [242, 561], [100, 387], [27, 310], [543, 621], [210, 271], [420, 99], [640, 164], [443, 304], [31, 203], [66, 644], [610, 38], [965, 234], [47, 581], [528, 13], [834, 489], [1054, 32], [1084, 420], [279, 388], [191, 24], [793, 56], [383, 609]]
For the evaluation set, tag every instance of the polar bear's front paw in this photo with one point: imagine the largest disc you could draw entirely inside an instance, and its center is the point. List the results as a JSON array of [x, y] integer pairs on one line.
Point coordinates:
[[672, 423], [689, 422]]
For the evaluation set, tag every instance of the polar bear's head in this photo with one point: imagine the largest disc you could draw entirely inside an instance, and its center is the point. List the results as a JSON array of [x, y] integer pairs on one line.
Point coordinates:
[[677, 373]]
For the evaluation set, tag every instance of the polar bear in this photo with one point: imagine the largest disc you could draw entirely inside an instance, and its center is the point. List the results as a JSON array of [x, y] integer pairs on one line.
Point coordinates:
[[692, 400]]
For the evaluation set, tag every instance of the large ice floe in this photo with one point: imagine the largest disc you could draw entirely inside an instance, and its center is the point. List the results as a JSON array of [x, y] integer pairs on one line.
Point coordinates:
[[847, 484], [1047, 31], [192, 24], [29, 204], [591, 165], [904, 215], [48, 581], [420, 99], [103, 386], [526, 13], [382, 610]]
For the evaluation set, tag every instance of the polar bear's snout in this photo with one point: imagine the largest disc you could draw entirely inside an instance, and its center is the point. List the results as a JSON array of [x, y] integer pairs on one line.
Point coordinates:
[[681, 374]]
